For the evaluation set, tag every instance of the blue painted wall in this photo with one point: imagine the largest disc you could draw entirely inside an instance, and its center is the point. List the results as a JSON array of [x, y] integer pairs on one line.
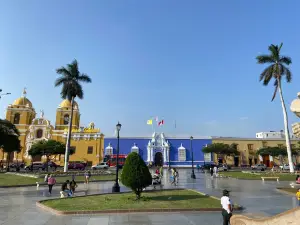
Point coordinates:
[[197, 144]]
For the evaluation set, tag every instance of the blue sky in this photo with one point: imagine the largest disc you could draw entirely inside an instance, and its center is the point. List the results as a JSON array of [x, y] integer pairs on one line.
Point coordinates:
[[189, 61]]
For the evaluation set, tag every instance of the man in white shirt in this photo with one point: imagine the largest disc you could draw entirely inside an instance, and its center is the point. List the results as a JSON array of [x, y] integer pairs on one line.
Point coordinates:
[[226, 207]]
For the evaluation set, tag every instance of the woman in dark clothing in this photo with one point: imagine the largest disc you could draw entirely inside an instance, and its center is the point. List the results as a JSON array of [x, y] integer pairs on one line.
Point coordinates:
[[73, 186]]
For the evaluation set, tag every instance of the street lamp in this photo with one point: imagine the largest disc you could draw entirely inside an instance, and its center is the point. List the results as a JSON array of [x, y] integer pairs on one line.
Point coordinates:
[[193, 176], [3, 93], [116, 187]]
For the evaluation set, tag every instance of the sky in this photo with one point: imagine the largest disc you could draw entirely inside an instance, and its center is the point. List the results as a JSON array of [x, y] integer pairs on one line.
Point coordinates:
[[192, 62]]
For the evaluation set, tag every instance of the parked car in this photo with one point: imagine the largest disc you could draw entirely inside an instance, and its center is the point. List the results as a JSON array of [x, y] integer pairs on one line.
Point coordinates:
[[260, 167], [102, 165], [39, 166], [222, 167], [76, 166], [285, 167]]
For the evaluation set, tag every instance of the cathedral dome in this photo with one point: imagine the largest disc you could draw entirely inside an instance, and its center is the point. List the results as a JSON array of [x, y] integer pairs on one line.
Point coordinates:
[[22, 101], [67, 104]]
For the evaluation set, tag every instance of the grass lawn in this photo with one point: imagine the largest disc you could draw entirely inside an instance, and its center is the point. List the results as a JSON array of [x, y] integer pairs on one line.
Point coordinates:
[[248, 176], [150, 200], [12, 180]]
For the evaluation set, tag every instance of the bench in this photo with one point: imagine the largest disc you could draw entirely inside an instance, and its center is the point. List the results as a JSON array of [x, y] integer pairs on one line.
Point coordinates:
[[264, 178]]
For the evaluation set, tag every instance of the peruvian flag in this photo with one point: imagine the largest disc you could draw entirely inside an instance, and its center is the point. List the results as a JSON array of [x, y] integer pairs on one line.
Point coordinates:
[[160, 123]]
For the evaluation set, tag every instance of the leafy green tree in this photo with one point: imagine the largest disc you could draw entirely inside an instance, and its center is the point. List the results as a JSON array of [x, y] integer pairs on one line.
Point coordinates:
[[221, 149], [48, 148], [277, 69], [135, 174], [70, 80], [9, 139]]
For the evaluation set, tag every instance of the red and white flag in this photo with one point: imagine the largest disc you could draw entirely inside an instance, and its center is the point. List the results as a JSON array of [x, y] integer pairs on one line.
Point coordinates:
[[160, 123]]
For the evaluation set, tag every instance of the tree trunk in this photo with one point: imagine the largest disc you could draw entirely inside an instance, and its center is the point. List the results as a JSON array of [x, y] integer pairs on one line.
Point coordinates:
[[286, 128], [7, 161], [68, 144]]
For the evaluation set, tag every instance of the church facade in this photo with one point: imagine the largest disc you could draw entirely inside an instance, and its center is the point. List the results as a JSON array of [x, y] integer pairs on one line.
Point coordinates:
[[162, 150], [88, 142]]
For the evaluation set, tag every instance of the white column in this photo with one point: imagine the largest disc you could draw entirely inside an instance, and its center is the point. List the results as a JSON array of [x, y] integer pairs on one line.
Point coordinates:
[[168, 154], [152, 155], [148, 154], [165, 154], [271, 158]]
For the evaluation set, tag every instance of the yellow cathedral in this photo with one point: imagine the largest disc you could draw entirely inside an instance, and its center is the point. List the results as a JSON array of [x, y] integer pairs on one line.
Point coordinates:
[[87, 142]]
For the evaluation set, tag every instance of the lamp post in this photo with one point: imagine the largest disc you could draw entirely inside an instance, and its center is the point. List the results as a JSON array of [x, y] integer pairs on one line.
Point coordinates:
[[116, 187], [193, 176], [3, 93]]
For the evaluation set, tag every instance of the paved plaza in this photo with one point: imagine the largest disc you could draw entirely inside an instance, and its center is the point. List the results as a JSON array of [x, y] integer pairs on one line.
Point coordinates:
[[260, 200]]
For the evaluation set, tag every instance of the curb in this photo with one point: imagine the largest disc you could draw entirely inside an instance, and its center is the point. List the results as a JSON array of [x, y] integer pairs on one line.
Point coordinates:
[[43, 184], [286, 192], [120, 211]]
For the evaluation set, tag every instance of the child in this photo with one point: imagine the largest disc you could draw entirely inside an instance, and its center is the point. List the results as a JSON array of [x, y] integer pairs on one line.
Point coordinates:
[[298, 196]]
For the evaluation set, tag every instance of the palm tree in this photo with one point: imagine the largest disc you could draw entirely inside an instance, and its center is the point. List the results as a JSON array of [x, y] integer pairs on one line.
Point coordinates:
[[71, 88], [276, 69]]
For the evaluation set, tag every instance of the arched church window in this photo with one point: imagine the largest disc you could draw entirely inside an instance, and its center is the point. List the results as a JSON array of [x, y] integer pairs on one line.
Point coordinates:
[[17, 118], [181, 153], [39, 133], [66, 119]]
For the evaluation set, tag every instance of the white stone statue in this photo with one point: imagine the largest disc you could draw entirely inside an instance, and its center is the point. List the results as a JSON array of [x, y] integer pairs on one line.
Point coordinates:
[[42, 113]]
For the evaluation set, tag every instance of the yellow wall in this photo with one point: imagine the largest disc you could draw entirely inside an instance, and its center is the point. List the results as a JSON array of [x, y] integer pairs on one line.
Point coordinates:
[[246, 150]]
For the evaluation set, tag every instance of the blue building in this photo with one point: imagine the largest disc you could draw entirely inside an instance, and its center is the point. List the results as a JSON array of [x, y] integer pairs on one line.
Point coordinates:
[[162, 150]]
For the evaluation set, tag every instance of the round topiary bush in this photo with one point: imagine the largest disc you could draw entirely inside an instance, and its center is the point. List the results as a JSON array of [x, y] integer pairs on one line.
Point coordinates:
[[135, 174]]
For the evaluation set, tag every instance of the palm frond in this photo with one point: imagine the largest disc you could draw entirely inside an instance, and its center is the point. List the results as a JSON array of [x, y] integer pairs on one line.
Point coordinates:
[[266, 73], [262, 59], [84, 78], [288, 74], [285, 60], [275, 91], [59, 81], [274, 52], [63, 71]]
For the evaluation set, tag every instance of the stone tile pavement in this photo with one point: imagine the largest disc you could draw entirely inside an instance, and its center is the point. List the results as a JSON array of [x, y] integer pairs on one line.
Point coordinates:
[[17, 205]]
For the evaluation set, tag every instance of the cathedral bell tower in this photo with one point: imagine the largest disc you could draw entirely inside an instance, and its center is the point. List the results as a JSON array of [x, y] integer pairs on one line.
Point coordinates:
[[63, 115], [21, 112]]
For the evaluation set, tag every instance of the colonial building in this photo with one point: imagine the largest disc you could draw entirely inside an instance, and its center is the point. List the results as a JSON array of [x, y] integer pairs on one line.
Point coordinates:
[[88, 142], [248, 148], [163, 150]]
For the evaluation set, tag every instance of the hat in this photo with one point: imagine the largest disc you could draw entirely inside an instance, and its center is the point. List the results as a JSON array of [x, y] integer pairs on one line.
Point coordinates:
[[226, 192]]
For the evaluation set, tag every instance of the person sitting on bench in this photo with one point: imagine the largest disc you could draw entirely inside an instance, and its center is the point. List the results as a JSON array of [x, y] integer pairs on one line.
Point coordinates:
[[64, 188]]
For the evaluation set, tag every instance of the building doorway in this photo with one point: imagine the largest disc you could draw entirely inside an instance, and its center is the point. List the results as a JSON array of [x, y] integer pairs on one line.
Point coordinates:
[[158, 159], [266, 160], [236, 161], [250, 162]]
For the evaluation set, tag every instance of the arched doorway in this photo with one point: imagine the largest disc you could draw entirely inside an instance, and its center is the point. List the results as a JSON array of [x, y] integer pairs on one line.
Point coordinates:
[[158, 159]]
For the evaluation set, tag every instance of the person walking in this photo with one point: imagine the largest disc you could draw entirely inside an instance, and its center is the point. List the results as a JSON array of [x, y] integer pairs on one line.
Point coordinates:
[[227, 207], [87, 176], [211, 171], [298, 196], [51, 181], [161, 171]]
